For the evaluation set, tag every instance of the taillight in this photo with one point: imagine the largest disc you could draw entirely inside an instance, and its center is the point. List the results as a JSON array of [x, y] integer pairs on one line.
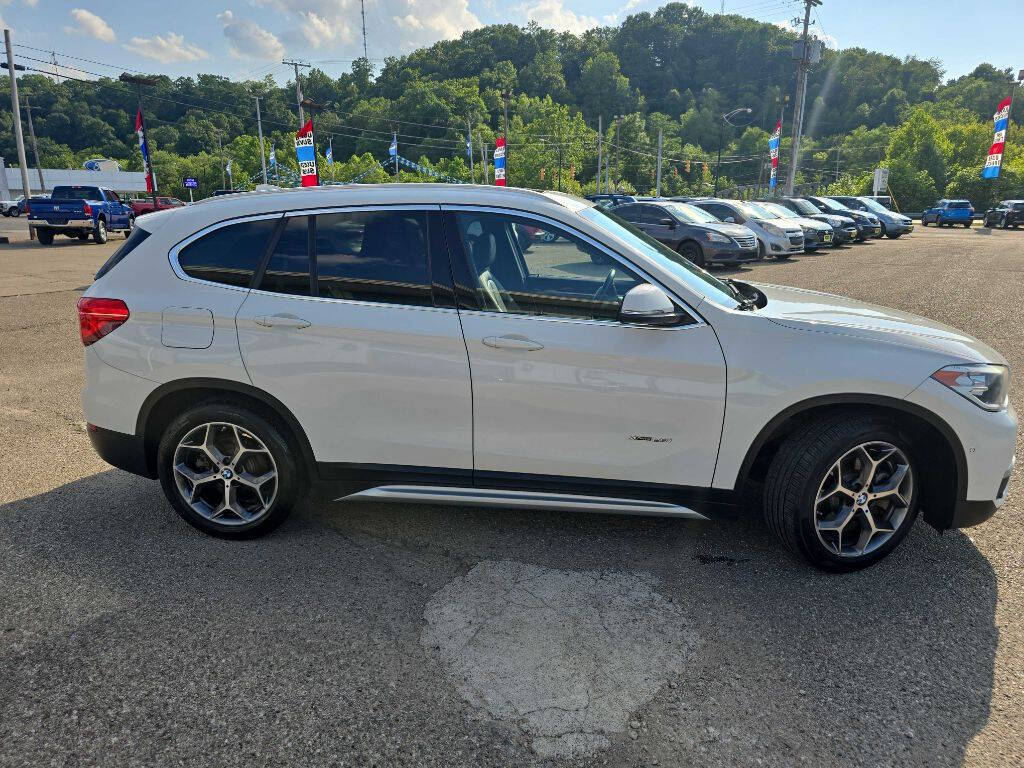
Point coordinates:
[[98, 317], [87, 209], [27, 211]]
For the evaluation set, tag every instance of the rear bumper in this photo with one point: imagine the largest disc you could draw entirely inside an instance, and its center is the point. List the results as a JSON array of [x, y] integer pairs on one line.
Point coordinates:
[[69, 224], [127, 452]]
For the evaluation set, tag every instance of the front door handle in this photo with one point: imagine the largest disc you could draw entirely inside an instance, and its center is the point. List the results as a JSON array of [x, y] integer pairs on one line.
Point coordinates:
[[282, 321], [513, 341]]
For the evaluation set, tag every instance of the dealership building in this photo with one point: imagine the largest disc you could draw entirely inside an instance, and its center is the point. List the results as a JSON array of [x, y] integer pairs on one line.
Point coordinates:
[[11, 187]]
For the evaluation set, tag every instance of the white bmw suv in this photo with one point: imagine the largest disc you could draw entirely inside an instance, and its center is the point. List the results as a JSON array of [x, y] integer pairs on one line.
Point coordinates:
[[417, 343]]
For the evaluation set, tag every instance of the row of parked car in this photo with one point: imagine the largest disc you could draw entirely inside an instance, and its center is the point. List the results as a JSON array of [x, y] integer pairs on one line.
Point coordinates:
[[709, 230]]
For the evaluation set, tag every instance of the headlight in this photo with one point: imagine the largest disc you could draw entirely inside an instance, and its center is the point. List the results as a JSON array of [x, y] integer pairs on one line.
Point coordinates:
[[772, 229], [714, 237], [987, 386]]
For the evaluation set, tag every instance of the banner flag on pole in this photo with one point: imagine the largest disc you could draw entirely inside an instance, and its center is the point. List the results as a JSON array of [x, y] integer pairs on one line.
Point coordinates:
[[393, 149], [995, 153], [330, 153], [273, 157], [773, 151], [469, 145], [499, 161], [306, 154], [140, 129]]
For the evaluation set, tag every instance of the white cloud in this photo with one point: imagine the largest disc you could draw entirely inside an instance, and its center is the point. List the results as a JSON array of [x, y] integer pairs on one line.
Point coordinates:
[[613, 18], [335, 25], [171, 49], [87, 23], [552, 14], [247, 39]]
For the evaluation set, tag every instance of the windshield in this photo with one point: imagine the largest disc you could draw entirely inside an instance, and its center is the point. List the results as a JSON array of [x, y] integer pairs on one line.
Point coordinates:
[[780, 210], [806, 207], [832, 205], [691, 213], [755, 211], [685, 270], [874, 205]]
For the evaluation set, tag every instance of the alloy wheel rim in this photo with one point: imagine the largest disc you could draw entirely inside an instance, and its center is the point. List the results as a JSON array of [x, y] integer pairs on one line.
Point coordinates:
[[863, 499], [225, 473]]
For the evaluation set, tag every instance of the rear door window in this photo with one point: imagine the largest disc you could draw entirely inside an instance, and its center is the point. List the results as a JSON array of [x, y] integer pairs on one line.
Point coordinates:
[[379, 256], [228, 255], [288, 269]]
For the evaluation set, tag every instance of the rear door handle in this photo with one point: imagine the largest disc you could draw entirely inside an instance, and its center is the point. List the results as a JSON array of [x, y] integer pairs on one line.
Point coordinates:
[[282, 321], [513, 341]]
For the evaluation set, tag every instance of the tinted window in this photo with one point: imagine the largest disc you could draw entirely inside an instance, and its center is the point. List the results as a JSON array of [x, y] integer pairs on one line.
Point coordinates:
[[76, 193], [960, 204], [721, 211], [517, 274], [628, 212], [228, 255], [288, 266], [374, 256]]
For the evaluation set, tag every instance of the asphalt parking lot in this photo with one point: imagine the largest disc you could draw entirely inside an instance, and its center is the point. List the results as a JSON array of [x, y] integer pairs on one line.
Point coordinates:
[[429, 636]]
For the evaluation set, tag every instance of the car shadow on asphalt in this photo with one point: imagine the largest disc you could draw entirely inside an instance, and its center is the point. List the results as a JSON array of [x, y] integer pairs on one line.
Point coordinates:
[[124, 623]]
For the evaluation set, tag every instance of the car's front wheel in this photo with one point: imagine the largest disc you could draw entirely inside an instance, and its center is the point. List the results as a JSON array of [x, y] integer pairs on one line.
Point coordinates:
[[228, 471], [843, 492], [692, 253]]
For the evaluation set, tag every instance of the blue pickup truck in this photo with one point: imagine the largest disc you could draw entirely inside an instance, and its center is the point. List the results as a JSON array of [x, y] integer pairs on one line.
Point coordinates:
[[79, 211], [949, 213]]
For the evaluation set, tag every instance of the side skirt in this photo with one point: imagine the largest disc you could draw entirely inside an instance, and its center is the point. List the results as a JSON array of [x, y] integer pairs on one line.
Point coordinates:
[[427, 485]]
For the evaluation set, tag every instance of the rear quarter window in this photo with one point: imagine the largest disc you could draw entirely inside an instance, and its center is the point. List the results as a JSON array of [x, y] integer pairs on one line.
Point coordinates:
[[228, 255]]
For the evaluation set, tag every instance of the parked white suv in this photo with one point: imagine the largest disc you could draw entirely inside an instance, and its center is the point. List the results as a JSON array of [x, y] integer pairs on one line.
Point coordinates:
[[414, 343]]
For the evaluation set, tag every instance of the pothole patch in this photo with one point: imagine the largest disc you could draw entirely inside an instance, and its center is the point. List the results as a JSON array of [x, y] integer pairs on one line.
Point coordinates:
[[568, 656]]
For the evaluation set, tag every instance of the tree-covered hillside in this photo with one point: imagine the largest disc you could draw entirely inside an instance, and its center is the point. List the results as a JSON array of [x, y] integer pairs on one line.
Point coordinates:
[[676, 70]]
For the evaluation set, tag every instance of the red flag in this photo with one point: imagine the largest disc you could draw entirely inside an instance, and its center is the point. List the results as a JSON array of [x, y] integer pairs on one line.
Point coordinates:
[[306, 129], [138, 120]]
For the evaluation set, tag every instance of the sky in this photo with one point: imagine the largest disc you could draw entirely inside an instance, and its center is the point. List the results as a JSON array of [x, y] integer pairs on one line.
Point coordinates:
[[249, 38]]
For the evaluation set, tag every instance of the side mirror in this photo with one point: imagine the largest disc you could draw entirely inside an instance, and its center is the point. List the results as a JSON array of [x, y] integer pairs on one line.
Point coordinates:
[[729, 220], [667, 222], [647, 304]]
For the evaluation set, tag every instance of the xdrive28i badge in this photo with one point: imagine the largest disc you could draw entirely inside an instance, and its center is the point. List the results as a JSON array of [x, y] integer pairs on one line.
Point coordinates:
[[650, 439]]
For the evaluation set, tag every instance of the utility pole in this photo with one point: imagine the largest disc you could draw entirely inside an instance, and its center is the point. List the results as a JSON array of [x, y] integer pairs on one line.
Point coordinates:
[[394, 139], [617, 165], [35, 144], [483, 161], [469, 149], [837, 162], [16, 114], [801, 96], [560, 148], [657, 188], [298, 87], [362, 12], [259, 129], [220, 156], [600, 138]]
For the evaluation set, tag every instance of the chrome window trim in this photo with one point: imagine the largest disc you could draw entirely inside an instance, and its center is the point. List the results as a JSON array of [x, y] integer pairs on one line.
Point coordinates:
[[615, 256]]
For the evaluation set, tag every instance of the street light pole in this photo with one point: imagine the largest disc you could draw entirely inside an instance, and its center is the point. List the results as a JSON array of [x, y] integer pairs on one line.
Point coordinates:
[[721, 131], [259, 129]]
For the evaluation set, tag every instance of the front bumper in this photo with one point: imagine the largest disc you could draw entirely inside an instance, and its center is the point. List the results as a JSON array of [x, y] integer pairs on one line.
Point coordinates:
[[968, 513], [899, 228], [817, 239], [865, 230], [725, 253], [844, 235]]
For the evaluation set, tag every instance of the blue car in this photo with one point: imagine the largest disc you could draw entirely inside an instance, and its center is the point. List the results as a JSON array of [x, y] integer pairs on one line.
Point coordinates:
[[949, 213]]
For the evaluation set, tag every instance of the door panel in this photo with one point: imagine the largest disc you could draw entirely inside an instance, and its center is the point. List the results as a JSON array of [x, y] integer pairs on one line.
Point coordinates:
[[372, 382], [560, 388]]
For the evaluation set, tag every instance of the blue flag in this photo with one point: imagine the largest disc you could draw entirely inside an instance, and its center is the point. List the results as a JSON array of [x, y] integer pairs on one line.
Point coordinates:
[[393, 149], [469, 145], [330, 155], [273, 157]]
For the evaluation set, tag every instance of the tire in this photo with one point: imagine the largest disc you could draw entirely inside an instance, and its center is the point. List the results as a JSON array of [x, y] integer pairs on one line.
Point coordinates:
[[804, 467], [967, 224], [924, 222], [1003, 224], [83, 235], [548, 237], [897, 236], [882, 233], [99, 231], [131, 227], [692, 252], [15, 212], [267, 450], [760, 251], [45, 236]]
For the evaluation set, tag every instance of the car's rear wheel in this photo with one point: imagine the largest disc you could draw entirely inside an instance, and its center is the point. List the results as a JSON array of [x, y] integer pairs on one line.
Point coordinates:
[[843, 492], [896, 236], [99, 231], [45, 236], [692, 252], [228, 471]]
